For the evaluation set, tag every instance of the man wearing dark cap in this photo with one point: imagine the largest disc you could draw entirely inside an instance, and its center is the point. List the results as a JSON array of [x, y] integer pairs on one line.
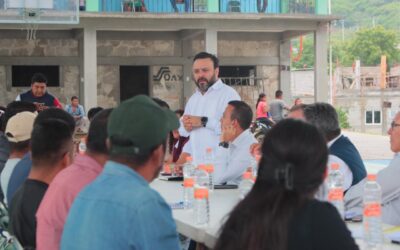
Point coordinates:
[[119, 210]]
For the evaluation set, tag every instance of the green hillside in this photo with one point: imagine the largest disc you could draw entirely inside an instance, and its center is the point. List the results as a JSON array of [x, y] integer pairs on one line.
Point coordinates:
[[366, 13]]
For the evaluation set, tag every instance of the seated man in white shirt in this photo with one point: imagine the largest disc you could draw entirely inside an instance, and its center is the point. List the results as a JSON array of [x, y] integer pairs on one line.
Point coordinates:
[[388, 178], [233, 154]]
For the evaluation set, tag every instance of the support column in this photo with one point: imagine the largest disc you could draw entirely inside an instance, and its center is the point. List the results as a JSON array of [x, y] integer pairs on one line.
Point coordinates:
[[89, 79], [211, 41], [284, 71], [321, 83], [188, 85]]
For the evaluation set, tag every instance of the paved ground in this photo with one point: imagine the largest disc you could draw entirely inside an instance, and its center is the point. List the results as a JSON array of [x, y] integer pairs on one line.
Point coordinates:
[[371, 147], [374, 150]]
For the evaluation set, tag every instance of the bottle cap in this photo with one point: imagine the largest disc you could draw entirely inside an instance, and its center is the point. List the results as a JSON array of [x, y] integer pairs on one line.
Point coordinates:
[[208, 150], [202, 167], [209, 168], [371, 177], [188, 182], [167, 169], [247, 175], [335, 166], [200, 193]]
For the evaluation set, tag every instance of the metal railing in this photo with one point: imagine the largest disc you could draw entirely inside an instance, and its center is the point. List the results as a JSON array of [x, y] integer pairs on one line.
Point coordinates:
[[221, 6], [248, 87]]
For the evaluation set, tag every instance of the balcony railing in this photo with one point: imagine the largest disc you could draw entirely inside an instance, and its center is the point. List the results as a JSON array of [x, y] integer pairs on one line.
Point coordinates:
[[221, 6]]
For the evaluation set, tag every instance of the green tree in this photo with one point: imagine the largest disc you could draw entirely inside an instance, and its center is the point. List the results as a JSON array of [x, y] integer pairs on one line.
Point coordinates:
[[343, 117], [369, 45], [307, 57]]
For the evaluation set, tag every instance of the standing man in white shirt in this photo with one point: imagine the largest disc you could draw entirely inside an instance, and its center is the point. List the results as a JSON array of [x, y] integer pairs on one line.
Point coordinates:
[[388, 179], [233, 154], [203, 111]]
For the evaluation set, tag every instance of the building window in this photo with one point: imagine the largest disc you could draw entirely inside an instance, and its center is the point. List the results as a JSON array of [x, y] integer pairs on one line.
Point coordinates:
[[237, 75], [21, 75], [373, 117], [200, 6]]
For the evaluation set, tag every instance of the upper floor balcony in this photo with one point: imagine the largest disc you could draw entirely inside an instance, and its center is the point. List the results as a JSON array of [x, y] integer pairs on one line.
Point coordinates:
[[313, 7]]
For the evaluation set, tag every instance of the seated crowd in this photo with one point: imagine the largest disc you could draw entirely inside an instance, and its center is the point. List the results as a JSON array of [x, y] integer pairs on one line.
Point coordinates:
[[101, 199]]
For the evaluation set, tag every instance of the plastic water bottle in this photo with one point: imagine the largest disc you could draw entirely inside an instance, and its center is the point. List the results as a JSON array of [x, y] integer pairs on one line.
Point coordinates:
[[201, 206], [188, 192], [201, 177], [82, 146], [335, 188], [246, 184], [209, 163], [201, 203], [254, 166], [372, 223], [188, 168]]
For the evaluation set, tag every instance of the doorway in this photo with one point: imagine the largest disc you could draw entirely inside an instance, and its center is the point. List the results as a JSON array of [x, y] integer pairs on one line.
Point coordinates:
[[134, 80]]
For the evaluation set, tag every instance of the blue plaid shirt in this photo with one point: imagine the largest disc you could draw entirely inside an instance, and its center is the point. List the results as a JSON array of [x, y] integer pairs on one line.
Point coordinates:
[[119, 210]]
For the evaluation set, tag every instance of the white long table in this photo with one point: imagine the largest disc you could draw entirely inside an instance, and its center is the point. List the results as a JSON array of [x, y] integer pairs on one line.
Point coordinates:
[[221, 203]]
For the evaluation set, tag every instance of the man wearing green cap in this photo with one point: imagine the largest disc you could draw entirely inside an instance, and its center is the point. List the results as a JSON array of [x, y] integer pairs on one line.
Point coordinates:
[[119, 210]]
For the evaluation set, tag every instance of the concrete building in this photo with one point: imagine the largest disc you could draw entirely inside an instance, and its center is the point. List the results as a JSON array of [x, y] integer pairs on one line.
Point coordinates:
[[110, 56], [370, 108]]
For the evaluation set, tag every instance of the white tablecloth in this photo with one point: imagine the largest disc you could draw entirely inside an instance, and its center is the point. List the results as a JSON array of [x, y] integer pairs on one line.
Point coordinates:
[[221, 203]]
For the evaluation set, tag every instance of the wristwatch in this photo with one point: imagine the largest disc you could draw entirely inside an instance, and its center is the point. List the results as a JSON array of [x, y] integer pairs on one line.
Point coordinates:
[[224, 144], [204, 120]]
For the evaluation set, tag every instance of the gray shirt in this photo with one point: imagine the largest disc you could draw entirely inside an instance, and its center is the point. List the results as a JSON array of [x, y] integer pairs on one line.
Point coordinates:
[[276, 109], [388, 178]]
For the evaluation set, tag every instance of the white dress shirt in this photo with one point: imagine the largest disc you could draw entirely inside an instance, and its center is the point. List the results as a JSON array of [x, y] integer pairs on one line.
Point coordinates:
[[232, 162], [212, 105], [343, 167], [388, 178]]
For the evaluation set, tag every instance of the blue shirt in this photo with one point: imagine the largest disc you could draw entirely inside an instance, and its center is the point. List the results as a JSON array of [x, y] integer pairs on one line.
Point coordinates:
[[18, 176], [79, 111], [119, 210]]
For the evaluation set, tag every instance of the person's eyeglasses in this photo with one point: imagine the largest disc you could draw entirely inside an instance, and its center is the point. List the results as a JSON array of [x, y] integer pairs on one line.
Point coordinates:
[[393, 125]]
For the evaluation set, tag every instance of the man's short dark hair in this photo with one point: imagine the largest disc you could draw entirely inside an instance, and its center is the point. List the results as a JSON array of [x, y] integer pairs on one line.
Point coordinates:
[[93, 111], [136, 160], [97, 135], [20, 146], [160, 102], [74, 97], [14, 108], [324, 117], [242, 113], [50, 141], [39, 77], [56, 113], [278, 93], [204, 55]]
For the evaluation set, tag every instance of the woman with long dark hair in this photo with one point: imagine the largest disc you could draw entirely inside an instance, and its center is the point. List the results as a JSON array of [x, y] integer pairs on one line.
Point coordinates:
[[280, 212]]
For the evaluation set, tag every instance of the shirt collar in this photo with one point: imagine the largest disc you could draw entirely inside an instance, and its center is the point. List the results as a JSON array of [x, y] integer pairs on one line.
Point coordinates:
[[217, 85], [118, 169], [239, 140], [333, 140]]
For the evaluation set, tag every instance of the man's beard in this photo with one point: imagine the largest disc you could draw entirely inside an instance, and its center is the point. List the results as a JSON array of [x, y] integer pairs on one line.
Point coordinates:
[[206, 84]]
